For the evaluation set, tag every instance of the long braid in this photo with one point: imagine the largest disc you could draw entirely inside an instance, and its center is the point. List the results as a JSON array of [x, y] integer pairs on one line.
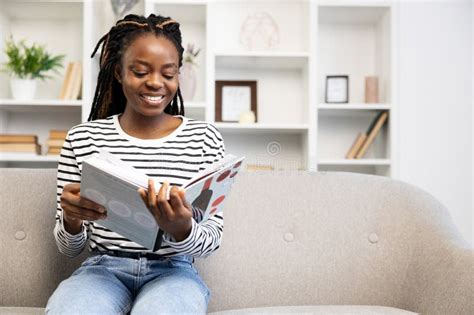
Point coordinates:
[[108, 97]]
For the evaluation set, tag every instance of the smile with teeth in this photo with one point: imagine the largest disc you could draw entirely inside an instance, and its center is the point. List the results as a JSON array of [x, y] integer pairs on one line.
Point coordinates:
[[153, 99]]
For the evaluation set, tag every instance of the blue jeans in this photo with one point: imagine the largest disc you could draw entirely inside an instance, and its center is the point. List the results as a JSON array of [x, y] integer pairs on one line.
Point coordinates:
[[107, 284]]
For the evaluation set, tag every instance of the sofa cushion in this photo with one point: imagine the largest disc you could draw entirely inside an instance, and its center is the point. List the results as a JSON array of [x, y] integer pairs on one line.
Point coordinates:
[[319, 309], [21, 310], [311, 309]]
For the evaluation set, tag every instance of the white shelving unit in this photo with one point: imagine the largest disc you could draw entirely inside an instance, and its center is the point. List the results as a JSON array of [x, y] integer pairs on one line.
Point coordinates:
[[356, 38], [295, 128]]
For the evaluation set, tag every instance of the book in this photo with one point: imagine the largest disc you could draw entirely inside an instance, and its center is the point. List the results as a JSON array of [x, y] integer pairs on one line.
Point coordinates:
[[55, 142], [21, 148], [74, 80], [66, 82], [110, 182], [77, 82], [54, 151], [58, 134], [259, 167], [372, 132], [356, 145], [10, 138]]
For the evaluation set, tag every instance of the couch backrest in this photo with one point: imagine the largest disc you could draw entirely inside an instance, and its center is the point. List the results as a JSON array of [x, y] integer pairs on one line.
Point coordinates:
[[290, 238]]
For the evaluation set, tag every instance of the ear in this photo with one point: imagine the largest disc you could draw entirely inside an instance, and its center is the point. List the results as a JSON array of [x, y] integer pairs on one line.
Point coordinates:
[[118, 73]]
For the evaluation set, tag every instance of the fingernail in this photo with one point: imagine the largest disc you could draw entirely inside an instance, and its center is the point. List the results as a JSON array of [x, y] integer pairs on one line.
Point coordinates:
[[101, 209]]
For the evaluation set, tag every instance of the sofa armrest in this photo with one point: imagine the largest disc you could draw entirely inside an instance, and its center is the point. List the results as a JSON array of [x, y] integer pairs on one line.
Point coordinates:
[[440, 280]]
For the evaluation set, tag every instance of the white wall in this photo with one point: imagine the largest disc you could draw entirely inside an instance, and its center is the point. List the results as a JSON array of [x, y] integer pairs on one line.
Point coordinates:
[[436, 139]]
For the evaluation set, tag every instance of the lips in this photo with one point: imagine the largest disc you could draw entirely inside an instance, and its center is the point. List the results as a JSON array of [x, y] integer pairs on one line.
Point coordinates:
[[153, 99]]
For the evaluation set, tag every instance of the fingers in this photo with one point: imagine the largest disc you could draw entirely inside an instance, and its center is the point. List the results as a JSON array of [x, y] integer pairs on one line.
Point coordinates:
[[182, 195], [88, 204], [163, 203], [83, 213], [73, 188], [175, 198], [71, 195], [159, 205], [151, 194], [143, 195]]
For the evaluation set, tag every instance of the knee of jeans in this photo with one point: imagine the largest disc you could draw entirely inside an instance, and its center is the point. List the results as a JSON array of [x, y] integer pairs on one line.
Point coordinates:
[[60, 307]]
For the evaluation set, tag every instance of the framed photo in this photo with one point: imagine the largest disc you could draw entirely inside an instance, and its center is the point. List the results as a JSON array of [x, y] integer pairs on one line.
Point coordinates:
[[234, 98], [337, 89]]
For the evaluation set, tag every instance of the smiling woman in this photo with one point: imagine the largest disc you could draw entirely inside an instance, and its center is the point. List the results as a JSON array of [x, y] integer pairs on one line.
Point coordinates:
[[148, 73], [138, 116]]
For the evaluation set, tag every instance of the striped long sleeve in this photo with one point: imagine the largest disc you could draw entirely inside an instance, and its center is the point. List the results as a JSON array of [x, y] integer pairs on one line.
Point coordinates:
[[176, 158], [68, 172], [205, 237]]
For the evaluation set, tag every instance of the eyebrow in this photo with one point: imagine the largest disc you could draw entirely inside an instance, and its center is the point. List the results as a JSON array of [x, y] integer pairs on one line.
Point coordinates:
[[168, 65]]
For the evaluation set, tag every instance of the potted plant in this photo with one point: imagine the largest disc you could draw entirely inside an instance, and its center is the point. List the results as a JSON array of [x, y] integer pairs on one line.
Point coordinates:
[[25, 64], [187, 73]]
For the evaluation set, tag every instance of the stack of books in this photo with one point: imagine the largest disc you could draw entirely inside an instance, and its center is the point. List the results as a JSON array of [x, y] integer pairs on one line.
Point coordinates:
[[72, 84], [55, 141], [365, 139], [19, 144]]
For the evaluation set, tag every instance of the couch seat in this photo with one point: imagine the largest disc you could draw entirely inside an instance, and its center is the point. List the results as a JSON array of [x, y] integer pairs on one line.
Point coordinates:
[[312, 309], [319, 310]]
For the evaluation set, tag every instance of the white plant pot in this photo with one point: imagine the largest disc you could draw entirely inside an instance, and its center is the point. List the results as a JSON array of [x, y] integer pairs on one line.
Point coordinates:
[[23, 89]]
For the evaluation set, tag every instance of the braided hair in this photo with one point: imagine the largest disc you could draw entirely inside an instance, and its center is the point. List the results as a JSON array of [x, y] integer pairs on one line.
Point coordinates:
[[109, 98]]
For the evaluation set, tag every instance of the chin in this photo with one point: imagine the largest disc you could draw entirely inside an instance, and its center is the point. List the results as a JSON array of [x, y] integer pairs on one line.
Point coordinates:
[[149, 112]]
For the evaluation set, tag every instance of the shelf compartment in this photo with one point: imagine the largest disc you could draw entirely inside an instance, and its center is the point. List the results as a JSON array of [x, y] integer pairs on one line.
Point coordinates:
[[31, 20], [345, 126], [282, 151], [282, 97], [291, 18], [364, 32]]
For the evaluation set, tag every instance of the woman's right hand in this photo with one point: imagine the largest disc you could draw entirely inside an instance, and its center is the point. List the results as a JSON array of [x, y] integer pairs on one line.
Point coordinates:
[[77, 208]]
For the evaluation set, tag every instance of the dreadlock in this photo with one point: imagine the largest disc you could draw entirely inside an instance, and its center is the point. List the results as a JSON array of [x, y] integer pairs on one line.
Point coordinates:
[[109, 98]]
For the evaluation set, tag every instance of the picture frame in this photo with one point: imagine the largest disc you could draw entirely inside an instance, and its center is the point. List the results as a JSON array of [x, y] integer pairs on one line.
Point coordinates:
[[337, 89], [234, 98]]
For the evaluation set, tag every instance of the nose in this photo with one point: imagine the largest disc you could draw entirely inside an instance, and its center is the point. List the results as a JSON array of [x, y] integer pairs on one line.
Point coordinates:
[[155, 81]]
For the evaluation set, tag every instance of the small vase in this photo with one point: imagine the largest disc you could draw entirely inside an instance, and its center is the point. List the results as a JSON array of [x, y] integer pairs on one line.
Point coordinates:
[[187, 81], [23, 89]]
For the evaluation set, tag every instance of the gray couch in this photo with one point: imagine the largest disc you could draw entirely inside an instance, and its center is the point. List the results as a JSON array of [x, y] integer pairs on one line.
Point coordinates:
[[294, 242]]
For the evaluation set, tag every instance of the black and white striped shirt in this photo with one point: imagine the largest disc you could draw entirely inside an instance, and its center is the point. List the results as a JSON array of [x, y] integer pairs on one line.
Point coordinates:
[[176, 157]]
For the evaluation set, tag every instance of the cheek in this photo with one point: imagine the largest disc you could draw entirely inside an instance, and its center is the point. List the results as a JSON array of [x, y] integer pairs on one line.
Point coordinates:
[[129, 84], [174, 84]]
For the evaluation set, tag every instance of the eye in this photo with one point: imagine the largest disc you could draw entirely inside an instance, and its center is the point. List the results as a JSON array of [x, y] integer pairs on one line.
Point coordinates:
[[139, 74], [169, 77]]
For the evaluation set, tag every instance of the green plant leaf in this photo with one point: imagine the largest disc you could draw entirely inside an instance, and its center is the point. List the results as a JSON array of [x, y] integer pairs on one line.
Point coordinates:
[[30, 62]]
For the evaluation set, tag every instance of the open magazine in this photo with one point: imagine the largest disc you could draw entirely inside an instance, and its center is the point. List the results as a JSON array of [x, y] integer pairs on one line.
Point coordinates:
[[110, 182]]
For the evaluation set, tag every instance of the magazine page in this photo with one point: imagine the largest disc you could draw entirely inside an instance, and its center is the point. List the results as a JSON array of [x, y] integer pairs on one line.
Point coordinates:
[[126, 212], [209, 194]]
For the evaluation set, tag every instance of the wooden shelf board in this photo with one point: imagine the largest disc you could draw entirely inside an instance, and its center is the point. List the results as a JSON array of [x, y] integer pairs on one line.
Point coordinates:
[[349, 162]]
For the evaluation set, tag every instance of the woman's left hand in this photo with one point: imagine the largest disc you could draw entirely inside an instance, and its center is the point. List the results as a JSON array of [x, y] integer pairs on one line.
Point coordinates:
[[174, 215]]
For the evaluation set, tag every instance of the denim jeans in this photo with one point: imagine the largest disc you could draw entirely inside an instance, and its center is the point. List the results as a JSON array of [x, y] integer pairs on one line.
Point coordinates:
[[107, 284]]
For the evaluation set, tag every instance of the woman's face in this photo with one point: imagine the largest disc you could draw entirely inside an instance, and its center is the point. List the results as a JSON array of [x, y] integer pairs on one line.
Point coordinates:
[[149, 74]]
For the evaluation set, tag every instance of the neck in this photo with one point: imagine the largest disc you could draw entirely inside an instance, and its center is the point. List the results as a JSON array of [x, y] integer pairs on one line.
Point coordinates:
[[145, 127]]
